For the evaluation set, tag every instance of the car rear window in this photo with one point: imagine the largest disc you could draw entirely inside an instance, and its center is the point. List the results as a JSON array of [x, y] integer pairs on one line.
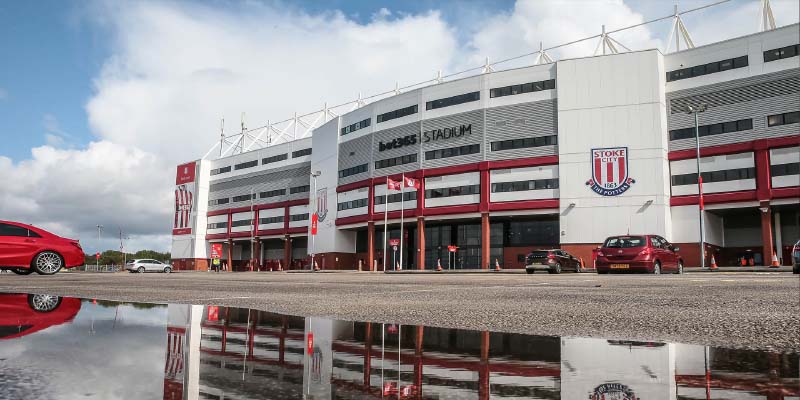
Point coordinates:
[[625, 242], [539, 254]]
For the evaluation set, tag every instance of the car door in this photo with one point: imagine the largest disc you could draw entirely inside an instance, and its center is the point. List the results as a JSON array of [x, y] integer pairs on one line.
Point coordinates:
[[157, 266], [17, 245], [670, 252]]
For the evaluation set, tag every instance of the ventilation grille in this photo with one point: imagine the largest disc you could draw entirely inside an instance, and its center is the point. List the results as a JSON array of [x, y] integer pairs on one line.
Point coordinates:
[[738, 95]]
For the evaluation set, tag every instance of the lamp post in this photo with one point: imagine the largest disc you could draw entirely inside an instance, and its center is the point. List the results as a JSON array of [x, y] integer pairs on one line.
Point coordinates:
[[314, 176], [97, 259], [697, 110]]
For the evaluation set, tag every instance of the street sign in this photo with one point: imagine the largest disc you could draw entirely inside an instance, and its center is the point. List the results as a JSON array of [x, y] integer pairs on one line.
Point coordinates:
[[394, 248], [314, 221], [452, 249], [213, 313], [394, 242], [97, 256], [310, 342], [216, 250]]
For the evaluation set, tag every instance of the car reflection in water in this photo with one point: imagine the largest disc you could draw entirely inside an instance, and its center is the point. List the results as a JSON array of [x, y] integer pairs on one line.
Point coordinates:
[[231, 353], [23, 314]]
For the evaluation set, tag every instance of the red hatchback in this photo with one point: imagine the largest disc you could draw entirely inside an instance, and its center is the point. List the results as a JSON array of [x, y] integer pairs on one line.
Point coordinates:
[[638, 253], [25, 249], [23, 314]]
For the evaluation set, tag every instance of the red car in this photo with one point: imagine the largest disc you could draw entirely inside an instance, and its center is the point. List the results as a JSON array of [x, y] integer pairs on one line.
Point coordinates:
[[638, 253], [25, 249], [23, 314]]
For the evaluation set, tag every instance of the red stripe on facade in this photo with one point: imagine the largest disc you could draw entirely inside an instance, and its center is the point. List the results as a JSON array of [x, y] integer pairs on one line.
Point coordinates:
[[711, 198], [217, 212], [446, 210], [763, 180], [598, 174], [786, 192], [736, 148], [610, 172], [621, 164], [297, 229], [217, 236], [352, 220], [525, 205]]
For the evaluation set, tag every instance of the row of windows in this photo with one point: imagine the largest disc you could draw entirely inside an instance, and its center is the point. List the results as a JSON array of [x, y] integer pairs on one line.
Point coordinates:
[[353, 170], [222, 170], [523, 88], [218, 201], [705, 69], [298, 217], [270, 220], [524, 143], [715, 176], [783, 52], [453, 100], [347, 205], [300, 189], [520, 186], [783, 119], [218, 225], [244, 165], [279, 157], [395, 198], [713, 129], [244, 197], [784, 169], [453, 152], [300, 153], [452, 191], [397, 113], [394, 161], [272, 193], [354, 127], [244, 222]]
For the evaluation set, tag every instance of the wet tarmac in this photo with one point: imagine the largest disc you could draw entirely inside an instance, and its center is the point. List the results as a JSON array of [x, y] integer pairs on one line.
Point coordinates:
[[67, 348]]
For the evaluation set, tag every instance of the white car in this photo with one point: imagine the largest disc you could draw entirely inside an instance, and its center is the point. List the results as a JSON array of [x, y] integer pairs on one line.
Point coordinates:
[[147, 265]]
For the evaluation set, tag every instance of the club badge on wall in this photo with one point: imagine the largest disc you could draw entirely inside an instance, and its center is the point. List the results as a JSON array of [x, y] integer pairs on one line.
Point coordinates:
[[610, 171], [322, 204]]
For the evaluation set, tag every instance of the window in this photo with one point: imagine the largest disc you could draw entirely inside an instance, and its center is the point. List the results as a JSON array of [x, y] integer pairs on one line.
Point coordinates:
[[395, 198], [358, 169], [354, 127], [713, 129], [13, 230], [523, 88], [452, 101], [715, 176], [300, 153], [453, 152], [537, 184], [625, 242], [218, 225], [271, 220], [391, 162], [525, 142], [298, 217], [397, 113], [221, 170], [532, 233], [784, 169], [300, 189], [452, 191], [243, 222], [244, 197], [244, 165], [705, 69], [216, 202], [783, 52], [783, 119], [279, 157], [272, 193], [348, 205]]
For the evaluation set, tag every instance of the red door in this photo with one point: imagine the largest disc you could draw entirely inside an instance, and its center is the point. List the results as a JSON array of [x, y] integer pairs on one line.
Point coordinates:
[[16, 247], [670, 257]]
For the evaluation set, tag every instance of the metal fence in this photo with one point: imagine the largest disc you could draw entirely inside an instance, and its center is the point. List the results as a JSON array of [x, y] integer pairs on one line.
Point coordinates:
[[97, 268]]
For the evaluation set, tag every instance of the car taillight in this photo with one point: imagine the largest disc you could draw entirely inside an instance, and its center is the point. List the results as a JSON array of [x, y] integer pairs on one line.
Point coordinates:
[[600, 254], [645, 252], [551, 256]]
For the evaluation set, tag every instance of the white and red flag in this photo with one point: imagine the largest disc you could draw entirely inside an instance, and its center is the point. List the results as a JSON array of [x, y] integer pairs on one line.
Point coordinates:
[[392, 185], [410, 182]]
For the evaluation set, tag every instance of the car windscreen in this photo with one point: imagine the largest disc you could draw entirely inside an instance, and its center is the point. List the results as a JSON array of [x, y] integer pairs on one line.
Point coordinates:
[[623, 242]]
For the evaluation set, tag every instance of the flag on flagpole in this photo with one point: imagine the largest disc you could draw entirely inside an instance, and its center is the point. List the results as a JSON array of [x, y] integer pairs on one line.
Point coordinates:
[[410, 182], [392, 185]]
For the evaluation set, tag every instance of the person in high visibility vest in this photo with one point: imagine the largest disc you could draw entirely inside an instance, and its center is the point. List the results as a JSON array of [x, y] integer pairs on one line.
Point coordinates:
[[215, 264]]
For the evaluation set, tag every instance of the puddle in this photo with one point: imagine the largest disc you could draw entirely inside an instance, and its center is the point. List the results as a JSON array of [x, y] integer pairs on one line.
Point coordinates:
[[65, 348]]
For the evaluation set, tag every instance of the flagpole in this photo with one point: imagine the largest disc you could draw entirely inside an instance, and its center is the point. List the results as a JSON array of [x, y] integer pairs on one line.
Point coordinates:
[[385, 222], [402, 209]]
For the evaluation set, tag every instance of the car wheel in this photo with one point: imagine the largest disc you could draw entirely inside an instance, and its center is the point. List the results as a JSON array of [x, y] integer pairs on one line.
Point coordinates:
[[657, 268], [556, 269], [47, 263], [167, 270], [140, 270], [22, 271], [578, 267], [43, 302], [680, 268]]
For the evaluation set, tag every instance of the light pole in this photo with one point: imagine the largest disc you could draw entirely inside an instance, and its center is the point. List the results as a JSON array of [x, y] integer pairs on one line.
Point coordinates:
[[97, 259], [697, 110], [314, 176]]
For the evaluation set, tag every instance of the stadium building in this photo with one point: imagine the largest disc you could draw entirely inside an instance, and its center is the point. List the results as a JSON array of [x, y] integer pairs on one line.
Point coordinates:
[[556, 155]]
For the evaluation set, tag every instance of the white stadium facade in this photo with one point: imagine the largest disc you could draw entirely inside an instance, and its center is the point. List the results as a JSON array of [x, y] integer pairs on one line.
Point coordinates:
[[561, 154]]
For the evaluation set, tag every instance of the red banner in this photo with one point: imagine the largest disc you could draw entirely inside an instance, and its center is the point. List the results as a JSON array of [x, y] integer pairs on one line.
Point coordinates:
[[394, 242], [452, 249], [392, 185], [216, 250], [314, 222], [411, 183], [185, 173]]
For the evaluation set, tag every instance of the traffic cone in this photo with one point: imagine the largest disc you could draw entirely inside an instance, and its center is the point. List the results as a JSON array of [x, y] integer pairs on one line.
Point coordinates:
[[316, 266], [752, 262], [775, 263], [713, 265], [438, 264], [399, 268], [496, 265], [582, 266], [280, 267], [744, 262]]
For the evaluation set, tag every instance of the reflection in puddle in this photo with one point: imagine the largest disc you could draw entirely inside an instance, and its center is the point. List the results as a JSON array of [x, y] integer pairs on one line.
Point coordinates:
[[116, 350]]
